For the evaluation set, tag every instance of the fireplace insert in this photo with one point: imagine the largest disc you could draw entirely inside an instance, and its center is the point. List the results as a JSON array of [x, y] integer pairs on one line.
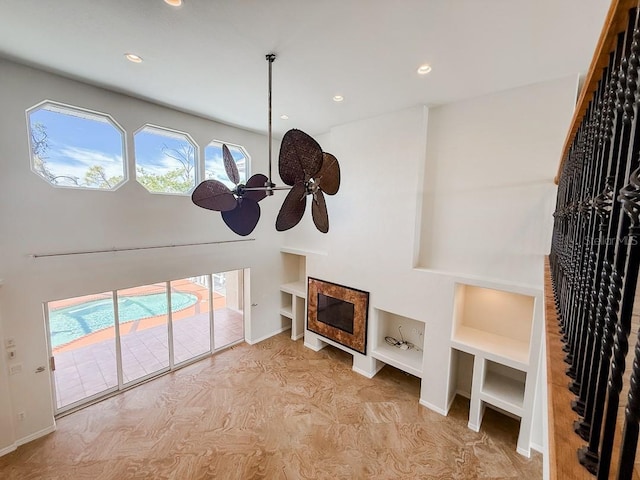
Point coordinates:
[[338, 313]]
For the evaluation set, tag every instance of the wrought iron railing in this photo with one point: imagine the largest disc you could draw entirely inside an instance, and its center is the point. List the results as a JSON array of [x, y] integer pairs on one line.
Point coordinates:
[[595, 254]]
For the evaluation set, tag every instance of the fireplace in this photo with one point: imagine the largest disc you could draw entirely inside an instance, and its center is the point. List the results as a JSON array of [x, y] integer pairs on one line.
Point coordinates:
[[338, 313]]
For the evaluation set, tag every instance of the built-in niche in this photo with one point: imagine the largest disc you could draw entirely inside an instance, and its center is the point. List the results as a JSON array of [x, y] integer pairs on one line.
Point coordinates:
[[397, 340], [293, 291], [491, 354]]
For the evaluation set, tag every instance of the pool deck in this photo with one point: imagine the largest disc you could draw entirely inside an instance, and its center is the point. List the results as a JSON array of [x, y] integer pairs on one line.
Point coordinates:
[[183, 286]]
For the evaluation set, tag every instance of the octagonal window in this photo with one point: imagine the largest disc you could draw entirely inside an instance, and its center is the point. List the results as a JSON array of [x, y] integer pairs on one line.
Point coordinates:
[[165, 160], [76, 148], [214, 166]]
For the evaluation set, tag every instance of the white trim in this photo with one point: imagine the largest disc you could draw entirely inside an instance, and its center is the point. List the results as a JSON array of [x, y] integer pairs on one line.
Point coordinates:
[[314, 348], [36, 435], [298, 337], [524, 452], [301, 252], [436, 409], [463, 394], [475, 428], [8, 449], [258, 340], [367, 373], [536, 447]]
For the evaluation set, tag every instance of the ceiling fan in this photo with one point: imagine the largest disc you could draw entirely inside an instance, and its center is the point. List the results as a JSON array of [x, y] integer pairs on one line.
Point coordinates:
[[302, 165]]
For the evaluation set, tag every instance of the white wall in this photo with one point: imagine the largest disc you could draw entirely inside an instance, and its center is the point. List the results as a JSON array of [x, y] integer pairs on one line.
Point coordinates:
[[489, 191], [36, 218], [464, 188]]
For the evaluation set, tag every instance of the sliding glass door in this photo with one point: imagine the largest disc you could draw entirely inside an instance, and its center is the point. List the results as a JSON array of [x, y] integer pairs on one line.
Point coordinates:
[[228, 315], [144, 334], [103, 343], [82, 339], [191, 325]]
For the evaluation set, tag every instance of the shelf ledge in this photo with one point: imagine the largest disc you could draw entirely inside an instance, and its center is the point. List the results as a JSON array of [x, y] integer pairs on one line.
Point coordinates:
[[504, 392], [287, 311], [295, 288], [409, 361], [301, 252], [500, 349]]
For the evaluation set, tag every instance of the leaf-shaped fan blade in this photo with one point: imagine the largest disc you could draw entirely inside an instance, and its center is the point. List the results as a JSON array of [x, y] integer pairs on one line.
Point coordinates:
[[292, 208], [257, 180], [244, 218], [230, 165], [214, 195], [329, 175], [319, 212], [300, 157]]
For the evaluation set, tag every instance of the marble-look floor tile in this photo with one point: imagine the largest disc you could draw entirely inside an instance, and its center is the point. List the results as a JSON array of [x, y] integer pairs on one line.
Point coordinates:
[[274, 411]]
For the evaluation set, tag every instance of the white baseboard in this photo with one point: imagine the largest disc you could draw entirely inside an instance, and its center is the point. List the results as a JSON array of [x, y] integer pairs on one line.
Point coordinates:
[[261, 339], [366, 373], [462, 393], [38, 434], [9, 449], [537, 448], [431, 406], [471, 426], [314, 348], [524, 452], [298, 337]]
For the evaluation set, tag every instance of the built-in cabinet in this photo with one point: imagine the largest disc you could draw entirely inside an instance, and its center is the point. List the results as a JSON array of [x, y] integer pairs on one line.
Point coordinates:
[[494, 327]]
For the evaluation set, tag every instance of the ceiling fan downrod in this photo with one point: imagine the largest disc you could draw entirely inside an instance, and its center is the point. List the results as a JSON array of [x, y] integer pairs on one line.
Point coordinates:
[[270, 57]]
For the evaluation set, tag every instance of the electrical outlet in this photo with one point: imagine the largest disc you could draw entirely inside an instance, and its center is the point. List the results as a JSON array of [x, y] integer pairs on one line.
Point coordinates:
[[22, 416]]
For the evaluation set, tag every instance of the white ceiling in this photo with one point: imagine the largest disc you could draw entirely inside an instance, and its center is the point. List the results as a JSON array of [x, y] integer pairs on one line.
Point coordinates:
[[207, 57]]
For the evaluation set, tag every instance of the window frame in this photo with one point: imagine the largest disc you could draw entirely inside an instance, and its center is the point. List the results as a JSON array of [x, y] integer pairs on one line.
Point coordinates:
[[87, 114]]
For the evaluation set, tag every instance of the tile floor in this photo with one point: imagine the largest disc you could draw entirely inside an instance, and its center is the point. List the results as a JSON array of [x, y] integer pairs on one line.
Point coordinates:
[[91, 369]]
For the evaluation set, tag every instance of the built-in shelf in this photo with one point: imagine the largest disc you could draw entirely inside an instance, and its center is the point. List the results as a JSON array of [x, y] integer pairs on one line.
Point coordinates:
[[386, 324], [296, 288], [409, 361], [494, 327], [504, 392], [287, 311], [293, 290], [506, 350]]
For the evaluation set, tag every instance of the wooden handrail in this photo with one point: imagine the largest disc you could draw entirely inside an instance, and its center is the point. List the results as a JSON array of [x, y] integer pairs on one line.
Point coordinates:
[[615, 22]]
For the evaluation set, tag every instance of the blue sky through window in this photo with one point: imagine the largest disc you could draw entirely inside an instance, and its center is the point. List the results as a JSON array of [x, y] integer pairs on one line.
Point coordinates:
[[152, 145], [165, 160], [76, 142], [214, 166]]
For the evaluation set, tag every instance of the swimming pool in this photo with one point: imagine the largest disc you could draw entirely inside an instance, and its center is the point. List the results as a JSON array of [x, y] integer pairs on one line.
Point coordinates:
[[70, 323]]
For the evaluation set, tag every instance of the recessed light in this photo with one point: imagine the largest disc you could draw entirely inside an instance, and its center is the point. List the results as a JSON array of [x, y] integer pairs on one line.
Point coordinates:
[[338, 98], [284, 117], [132, 57], [173, 3], [424, 69]]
